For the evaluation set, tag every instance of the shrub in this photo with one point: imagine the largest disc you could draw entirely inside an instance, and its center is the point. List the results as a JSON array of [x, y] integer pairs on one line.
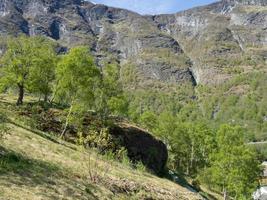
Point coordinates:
[[122, 155], [140, 166]]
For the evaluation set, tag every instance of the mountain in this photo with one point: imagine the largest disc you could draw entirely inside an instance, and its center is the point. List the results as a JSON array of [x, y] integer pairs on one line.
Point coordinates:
[[110, 32], [212, 57], [155, 44], [220, 37]]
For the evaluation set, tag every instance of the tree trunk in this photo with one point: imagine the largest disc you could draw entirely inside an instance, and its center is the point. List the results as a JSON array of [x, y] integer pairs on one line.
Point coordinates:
[[45, 98], [54, 94], [67, 121], [224, 194], [21, 94], [192, 157], [187, 167], [52, 99]]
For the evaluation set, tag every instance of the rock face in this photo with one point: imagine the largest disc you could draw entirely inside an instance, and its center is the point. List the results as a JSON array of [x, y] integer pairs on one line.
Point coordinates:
[[249, 2], [118, 34], [217, 35], [193, 46], [142, 146]]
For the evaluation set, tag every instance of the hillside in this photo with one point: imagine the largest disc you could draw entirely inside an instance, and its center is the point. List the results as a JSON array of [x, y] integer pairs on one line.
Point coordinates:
[[37, 165], [106, 97], [214, 53]]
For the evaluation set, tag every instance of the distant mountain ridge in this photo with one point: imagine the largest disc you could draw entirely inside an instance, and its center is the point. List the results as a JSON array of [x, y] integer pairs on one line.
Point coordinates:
[[248, 2], [173, 48], [223, 31]]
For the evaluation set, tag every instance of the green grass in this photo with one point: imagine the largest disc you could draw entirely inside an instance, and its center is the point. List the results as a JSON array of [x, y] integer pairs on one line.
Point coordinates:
[[36, 165]]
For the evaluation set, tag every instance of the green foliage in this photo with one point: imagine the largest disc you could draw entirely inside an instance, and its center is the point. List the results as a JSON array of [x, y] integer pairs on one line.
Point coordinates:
[[157, 101], [101, 140], [106, 144], [191, 145], [129, 76], [194, 148], [42, 75], [241, 101], [148, 119], [166, 126], [122, 156], [234, 167], [185, 118], [140, 167], [118, 105], [28, 63], [111, 99], [77, 80], [77, 77]]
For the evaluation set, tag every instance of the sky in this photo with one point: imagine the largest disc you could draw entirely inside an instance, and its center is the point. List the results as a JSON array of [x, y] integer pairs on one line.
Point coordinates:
[[154, 6]]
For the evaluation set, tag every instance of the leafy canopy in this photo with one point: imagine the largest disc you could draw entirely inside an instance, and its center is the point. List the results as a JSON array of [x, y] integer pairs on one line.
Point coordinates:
[[234, 167], [28, 64], [77, 77]]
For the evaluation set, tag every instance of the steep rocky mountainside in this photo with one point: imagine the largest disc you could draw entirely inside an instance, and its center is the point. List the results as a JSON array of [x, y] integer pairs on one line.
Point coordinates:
[[112, 33], [160, 46], [221, 48], [220, 37]]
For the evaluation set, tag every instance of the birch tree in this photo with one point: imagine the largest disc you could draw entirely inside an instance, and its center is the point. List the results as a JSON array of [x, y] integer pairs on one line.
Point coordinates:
[[77, 79]]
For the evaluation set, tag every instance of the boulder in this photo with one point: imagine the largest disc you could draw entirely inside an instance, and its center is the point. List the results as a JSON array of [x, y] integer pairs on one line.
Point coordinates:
[[142, 146]]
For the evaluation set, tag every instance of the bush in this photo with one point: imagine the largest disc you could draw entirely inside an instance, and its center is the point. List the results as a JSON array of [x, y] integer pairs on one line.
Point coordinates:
[[140, 167], [101, 140]]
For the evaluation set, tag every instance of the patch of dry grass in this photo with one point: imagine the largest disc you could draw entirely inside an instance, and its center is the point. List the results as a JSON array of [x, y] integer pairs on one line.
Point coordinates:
[[34, 166]]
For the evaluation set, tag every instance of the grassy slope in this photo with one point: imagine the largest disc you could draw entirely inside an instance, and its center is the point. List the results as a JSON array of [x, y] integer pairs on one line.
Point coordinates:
[[34, 165]]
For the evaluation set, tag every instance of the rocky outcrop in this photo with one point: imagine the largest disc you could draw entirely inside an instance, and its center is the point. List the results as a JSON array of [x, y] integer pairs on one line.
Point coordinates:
[[141, 146]]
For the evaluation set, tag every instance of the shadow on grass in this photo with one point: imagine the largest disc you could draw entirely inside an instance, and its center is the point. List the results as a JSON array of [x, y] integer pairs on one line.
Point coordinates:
[[17, 169], [33, 130], [34, 171], [46, 136]]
